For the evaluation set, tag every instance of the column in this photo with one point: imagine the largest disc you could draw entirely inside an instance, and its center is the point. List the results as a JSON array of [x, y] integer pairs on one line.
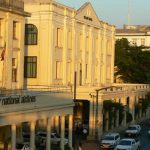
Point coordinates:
[[50, 71], [65, 48], [57, 124], [74, 54], [13, 137], [62, 132], [84, 56], [90, 52], [113, 53], [99, 58], [124, 123], [32, 135], [8, 53], [48, 140], [103, 67], [91, 117], [20, 66], [70, 130]]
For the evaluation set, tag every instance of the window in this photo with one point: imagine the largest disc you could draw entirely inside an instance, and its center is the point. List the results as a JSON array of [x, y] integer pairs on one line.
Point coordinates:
[[108, 72], [14, 30], [80, 41], [87, 43], [30, 66], [69, 72], [69, 40], [14, 70], [14, 74], [59, 37], [143, 42], [134, 41], [31, 34], [86, 71], [58, 70]]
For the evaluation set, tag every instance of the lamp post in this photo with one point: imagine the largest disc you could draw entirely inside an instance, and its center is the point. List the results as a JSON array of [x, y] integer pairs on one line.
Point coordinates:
[[97, 97], [75, 84]]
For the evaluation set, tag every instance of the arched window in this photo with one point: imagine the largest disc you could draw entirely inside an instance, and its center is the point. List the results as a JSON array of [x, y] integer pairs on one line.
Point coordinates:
[[31, 34]]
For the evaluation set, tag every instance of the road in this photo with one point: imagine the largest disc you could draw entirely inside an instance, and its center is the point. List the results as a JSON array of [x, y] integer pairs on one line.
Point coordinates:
[[143, 137], [145, 140]]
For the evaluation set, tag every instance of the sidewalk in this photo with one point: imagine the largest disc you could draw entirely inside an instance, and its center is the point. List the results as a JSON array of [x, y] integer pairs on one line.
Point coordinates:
[[90, 145]]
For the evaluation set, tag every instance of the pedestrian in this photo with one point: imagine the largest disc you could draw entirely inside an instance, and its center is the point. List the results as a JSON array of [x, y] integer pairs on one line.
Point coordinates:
[[84, 132]]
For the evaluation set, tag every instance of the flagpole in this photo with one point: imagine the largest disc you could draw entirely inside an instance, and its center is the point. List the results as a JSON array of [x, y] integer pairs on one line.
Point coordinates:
[[129, 12]]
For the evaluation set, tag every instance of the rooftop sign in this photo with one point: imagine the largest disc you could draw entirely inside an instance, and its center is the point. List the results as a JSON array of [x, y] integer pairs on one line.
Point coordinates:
[[17, 100]]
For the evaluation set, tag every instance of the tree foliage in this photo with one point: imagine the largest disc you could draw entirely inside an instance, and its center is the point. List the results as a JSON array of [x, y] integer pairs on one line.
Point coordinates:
[[133, 63]]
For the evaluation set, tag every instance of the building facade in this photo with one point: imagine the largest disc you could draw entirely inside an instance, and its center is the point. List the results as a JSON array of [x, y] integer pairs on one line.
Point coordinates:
[[68, 40], [12, 24], [48, 109], [73, 48], [136, 34]]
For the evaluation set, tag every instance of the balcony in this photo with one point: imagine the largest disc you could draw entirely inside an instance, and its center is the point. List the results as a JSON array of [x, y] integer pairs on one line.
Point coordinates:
[[12, 4]]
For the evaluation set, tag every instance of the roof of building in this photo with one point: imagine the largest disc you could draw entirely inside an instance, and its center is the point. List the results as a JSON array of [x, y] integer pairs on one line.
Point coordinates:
[[130, 29]]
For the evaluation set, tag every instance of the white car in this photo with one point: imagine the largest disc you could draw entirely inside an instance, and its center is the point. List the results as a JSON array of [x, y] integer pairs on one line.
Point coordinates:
[[133, 130], [128, 144], [110, 141], [149, 133], [23, 146], [55, 138]]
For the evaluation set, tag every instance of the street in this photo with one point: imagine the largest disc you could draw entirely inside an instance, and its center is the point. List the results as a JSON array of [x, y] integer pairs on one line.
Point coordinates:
[[143, 137], [145, 140]]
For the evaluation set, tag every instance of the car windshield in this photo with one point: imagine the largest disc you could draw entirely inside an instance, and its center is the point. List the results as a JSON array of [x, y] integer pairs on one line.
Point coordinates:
[[42, 134], [26, 136], [19, 146], [125, 142], [132, 128], [108, 138], [55, 135]]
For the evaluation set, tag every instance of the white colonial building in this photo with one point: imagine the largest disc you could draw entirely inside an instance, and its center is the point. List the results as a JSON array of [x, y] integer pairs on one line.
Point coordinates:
[[66, 51], [22, 109], [73, 48], [136, 34]]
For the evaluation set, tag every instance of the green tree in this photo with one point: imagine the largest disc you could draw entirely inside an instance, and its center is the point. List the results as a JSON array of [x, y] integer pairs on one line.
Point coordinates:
[[133, 65]]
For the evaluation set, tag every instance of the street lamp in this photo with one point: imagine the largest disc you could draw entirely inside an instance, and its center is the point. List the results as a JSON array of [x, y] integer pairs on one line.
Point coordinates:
[[96, 116]]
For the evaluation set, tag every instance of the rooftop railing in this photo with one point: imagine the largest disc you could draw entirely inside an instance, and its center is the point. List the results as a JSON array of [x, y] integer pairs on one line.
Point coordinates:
[[12, 4], [37, 91]]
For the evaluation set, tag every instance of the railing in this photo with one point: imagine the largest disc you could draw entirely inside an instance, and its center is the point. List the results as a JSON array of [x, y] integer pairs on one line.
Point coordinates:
[[37, 91], [12, 4]]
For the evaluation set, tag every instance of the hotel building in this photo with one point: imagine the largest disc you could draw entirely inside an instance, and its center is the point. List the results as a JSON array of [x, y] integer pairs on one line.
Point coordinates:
[[136, 34], [63, 46], [22, 108], [74, 48]]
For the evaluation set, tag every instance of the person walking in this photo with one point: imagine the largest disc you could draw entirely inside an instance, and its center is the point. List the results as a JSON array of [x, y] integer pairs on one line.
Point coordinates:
[[80, 146]]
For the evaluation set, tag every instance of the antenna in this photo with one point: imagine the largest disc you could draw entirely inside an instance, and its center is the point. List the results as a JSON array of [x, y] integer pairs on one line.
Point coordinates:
[[129, 12]]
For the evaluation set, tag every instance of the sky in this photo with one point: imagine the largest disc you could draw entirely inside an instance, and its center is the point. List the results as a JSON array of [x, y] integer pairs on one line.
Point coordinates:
[[116, 11]]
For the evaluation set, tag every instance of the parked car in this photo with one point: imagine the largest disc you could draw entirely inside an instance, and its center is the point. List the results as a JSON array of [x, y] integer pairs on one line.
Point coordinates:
[[23, 146], [133, 130], [128, 144], [55, 138], [110, 141], [26, 136], [149, 133]]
